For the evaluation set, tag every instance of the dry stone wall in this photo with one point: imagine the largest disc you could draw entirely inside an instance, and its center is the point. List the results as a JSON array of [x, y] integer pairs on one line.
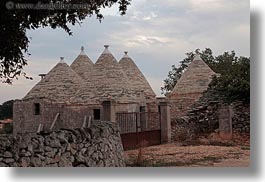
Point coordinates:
[[202, 118], [241, 118], [97, 146]]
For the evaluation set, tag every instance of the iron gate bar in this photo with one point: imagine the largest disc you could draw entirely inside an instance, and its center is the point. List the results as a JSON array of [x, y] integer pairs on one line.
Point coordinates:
[[135, 131]]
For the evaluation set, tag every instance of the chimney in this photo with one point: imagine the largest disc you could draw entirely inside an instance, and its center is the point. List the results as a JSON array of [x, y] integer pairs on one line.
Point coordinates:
[[42, 76]]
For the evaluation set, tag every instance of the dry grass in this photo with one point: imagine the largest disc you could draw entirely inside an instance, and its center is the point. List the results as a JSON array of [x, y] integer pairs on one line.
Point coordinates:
[[140, 161], [171, 155]]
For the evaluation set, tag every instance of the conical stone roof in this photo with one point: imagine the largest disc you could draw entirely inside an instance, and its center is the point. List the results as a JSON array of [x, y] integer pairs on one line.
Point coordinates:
[[136, 78], [82, 65], [108, 81], [195, 79], [59, 85]]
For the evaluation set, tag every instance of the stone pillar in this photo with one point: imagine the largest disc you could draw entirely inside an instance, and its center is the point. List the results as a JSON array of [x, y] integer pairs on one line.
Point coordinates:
[[17, 117], [225, 115], [109, 111], [165, 122]]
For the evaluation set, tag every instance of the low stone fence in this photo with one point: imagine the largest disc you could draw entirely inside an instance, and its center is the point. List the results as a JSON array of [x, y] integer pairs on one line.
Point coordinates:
[[241, 119], [203, 118], [97, 146]]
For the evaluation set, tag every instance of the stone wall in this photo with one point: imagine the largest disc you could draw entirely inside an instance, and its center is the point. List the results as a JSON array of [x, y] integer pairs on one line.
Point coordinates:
[[97, 146], [6, 128], [153, 119], [182, 103], [202, 118], [71, 116], [241, 118]]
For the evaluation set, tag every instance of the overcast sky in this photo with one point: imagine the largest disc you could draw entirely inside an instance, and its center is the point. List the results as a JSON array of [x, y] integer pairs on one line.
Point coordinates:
[[156, 33]]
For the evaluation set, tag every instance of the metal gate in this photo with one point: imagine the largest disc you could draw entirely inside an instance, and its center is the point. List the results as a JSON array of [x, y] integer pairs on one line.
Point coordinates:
[[139, 129]]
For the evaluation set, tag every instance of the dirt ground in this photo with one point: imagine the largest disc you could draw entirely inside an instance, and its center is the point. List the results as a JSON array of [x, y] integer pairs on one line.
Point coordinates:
[[173, 155]]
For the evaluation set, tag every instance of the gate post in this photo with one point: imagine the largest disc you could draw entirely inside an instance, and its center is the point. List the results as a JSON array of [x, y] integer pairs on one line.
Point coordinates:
[[109, 111], [225, 115], [165, 122]]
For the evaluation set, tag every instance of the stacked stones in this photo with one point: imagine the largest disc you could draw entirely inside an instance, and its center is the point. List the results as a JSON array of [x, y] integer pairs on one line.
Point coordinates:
[[188, 90], [59, 85], [202, 118], [81, 88], [205, 113], [97, 146], [136, 77], [241, 119], [87, 83], [82, 65], [108, 80], [182, 130], [190, 87]]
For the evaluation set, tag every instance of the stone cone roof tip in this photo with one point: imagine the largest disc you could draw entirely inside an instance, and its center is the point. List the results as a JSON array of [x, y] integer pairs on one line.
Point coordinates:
[[136, 78], [82, 65], [61, 60], [195, 79], [82, 51], [197, 57], [59, 85], [106, 50], [126, 54], [106, 57]]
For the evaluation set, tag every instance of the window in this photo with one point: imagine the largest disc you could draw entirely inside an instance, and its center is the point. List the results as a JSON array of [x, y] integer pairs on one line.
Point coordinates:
[[142, 108], [96, 114], [37, 108]]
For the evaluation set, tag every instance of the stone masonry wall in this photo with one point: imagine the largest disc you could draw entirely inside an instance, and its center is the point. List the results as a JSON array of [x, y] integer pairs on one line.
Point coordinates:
[[71, 116], [97, 146], [153, 119], [241, 118], [182, 103], [203, 118]]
